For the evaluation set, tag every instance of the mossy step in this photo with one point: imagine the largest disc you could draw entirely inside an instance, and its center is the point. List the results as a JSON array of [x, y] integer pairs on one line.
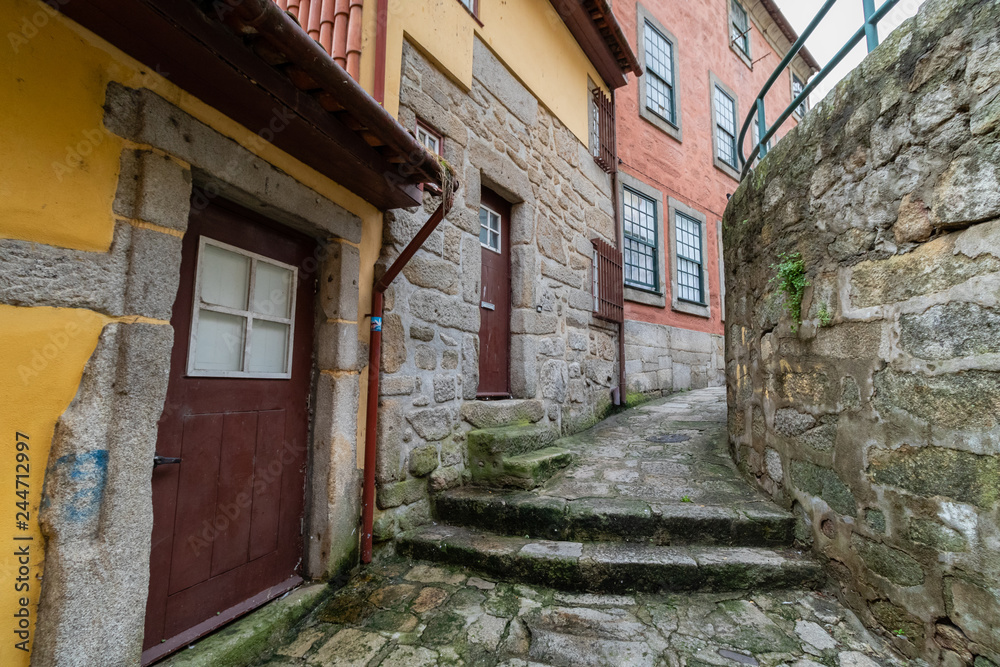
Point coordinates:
[[490, 447], [610, 519], [512, 440], [604, 567], [525, 471], [493, 414]]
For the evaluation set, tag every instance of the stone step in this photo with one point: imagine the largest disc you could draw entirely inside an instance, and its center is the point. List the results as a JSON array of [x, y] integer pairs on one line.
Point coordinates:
[[605, 567], [525, 471], [608, 519], [489, 447], [491, 414]]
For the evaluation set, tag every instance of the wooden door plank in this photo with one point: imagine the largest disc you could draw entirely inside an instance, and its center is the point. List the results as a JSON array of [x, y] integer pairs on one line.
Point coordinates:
[[233, 503], [194, 532], [217, 594], [268, 472]]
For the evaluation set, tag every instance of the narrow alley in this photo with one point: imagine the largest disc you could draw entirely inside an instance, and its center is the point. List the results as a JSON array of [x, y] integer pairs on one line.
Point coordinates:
[[675, 560]]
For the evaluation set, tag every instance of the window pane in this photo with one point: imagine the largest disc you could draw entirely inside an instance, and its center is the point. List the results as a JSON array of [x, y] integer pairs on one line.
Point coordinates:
[[689, 250], [225, 277], [272, 290], [659, 97], [659, 55], [219, 345], [740, 28], [640, 248], [489, 229], [725, 122], [659, 73], [269, 347], [797, 88]]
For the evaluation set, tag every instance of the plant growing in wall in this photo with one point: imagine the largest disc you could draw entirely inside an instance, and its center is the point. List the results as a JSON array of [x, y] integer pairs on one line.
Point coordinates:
[[791, 280], [824, 315]]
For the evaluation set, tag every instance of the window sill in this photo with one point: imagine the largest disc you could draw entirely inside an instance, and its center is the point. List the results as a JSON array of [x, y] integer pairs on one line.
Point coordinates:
[[691, 308], [645, 297], [661, 123], [727, 169], [742, 55]]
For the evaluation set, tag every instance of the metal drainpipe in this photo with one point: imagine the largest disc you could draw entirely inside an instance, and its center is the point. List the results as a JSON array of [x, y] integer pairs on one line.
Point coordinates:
[[618, 244], [381, 43], [374, 361]]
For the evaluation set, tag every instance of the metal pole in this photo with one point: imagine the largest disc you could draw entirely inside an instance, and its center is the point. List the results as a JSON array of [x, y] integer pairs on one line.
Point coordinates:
[[761, 127], [871, 30]]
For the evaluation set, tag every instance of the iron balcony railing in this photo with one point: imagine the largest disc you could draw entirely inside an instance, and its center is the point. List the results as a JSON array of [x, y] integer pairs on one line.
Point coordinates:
[[867, 31]]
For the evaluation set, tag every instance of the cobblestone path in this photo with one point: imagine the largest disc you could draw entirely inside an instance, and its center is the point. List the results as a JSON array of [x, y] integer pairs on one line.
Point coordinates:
[[656, 478]]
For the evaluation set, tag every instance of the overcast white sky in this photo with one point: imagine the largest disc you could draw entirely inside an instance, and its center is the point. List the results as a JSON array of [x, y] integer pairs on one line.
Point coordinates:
[[843, 20]]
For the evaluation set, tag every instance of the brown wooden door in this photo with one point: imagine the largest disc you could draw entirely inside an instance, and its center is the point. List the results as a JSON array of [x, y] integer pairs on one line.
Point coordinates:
[[494, 308], [227, 518]]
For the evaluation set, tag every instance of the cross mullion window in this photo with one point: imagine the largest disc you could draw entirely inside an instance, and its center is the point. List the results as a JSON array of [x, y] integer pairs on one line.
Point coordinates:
[[740, 27], [640, 251], [659, 74], [243, 320], [690, 271], [725, 123]]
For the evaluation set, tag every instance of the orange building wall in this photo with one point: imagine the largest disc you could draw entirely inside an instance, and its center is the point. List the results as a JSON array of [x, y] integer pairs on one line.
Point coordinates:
[[685, 171]]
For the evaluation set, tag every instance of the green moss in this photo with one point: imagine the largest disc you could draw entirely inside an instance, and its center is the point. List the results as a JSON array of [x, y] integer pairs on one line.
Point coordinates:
[[443, 629], [504, 602], [246, 641], [791, 281]]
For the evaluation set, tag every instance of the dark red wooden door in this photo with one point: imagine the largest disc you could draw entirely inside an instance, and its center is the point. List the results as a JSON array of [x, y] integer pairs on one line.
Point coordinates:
[[227, 517], [494, 307]]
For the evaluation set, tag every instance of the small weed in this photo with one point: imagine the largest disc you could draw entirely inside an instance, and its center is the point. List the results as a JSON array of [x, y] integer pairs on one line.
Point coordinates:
[[791, 279], [824, 315], [685, 499], [900, 633]]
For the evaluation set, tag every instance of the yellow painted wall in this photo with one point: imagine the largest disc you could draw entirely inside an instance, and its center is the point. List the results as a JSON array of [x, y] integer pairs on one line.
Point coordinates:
[[43, 352], [58, 178], [526, 35]]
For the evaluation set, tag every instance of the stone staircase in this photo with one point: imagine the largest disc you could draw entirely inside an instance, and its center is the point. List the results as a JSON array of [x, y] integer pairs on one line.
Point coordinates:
[[509, 446], [602, 536]]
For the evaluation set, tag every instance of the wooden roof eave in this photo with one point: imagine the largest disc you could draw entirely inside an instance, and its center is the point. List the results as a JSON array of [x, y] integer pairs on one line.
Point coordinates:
[[599, 34], [212, 61]]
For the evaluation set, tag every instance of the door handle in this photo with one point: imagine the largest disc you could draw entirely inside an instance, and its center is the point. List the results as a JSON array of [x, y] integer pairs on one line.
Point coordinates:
[[164, 460]]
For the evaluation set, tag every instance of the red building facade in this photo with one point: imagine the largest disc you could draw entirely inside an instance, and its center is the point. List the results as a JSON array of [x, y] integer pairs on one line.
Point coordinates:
[[677, 129]]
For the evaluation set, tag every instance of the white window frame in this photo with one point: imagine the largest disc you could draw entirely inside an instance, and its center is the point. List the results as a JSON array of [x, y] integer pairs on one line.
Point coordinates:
[[424, 132], [499, 231], [198, 305]]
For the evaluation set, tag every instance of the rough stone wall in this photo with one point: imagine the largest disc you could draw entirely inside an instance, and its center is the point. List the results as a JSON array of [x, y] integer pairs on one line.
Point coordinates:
[[498, 136], [661, 359], [879, 417]]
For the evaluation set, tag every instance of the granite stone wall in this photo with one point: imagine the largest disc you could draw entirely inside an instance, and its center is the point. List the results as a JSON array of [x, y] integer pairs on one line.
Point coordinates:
[[563, 360], [661, 359], [878, 417]]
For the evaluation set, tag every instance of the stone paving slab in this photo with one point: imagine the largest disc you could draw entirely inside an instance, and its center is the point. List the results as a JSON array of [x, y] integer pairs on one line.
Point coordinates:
[[401, 613], [670, 451], [660, 473]]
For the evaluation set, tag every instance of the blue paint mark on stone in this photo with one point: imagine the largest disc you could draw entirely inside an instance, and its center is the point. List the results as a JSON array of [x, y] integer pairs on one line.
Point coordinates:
[[86, 474]]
